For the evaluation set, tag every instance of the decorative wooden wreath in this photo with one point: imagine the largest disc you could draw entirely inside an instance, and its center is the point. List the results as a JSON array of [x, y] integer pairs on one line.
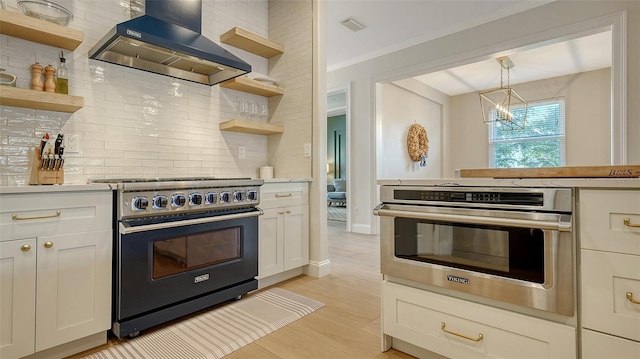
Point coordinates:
[[417, 143]]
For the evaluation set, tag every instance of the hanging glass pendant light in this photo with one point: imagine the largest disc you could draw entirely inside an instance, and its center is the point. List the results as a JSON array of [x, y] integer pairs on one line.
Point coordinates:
[[503, 107]]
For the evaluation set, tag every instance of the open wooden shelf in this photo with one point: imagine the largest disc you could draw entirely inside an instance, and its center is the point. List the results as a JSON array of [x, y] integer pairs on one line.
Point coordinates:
[[36, 30], [246, 126], [252, 86], [39, 100], [251, 42]]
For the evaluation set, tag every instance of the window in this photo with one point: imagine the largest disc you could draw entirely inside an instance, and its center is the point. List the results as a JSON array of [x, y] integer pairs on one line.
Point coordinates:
[[539, 144]]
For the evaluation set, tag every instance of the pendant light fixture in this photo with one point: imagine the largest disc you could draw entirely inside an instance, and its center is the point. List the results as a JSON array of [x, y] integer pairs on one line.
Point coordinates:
[[503, 107]]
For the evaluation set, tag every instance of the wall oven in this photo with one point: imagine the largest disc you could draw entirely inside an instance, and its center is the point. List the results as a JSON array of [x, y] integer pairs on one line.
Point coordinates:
[[181, 245], [514, 245]]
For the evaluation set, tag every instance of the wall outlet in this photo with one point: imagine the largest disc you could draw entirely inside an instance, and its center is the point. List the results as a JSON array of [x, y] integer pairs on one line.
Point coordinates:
[[307, 149], [71, 143], [242, 152], [355, 211]]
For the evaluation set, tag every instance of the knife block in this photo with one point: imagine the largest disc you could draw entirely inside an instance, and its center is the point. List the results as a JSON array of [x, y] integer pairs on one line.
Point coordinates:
[[44, 176]]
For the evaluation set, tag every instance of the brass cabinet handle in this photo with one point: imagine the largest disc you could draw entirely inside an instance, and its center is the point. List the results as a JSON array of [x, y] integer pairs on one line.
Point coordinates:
[[627, 222], [630, 298], [278, 195], [16, 218], [477, 339], [48, 244], [280, 212], [288, 211], [26, 248]]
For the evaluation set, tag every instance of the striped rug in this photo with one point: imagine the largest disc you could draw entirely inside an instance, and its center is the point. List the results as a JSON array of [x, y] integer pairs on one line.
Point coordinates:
[[218, 332]]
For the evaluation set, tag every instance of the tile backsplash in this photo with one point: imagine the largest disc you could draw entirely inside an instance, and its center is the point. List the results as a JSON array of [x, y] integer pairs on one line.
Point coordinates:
[[134, 123]]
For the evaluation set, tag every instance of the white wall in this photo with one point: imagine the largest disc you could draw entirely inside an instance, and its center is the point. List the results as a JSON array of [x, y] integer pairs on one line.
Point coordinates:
[[438, 54], [400, 109], [135, 123], [587, 108]]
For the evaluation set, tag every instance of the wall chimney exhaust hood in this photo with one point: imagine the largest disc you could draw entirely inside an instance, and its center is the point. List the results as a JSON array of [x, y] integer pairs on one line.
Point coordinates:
[[166, 39]]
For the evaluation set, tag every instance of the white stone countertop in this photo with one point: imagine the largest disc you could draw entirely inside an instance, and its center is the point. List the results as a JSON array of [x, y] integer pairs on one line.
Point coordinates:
[[513, 182], [56, 188]]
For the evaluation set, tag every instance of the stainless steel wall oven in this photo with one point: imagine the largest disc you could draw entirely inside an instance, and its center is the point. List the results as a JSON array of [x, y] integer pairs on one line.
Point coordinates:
[[509, 244], [181, 245]]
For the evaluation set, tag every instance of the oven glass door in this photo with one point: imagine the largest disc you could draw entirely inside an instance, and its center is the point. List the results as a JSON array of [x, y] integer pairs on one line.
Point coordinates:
[[188, 252], [512, 252], [159, 267]]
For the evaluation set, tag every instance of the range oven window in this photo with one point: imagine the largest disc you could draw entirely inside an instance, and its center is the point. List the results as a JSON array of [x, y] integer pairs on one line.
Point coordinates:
[[182, 254], [511, 252]]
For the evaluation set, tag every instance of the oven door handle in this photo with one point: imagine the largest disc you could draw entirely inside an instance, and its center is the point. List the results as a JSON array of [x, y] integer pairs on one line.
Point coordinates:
[[165, 225], [561, 226]]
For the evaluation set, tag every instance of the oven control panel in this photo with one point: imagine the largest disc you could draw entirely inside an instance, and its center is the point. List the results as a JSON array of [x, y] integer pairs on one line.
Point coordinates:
[[160, 202]]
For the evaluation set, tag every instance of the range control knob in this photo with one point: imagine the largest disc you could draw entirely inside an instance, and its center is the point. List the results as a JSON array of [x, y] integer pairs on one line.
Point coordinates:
[[225, 197], [238, 196], [252, 195], [211, 198], [178, 200], [139, 203], [195, 199], [160, 202]]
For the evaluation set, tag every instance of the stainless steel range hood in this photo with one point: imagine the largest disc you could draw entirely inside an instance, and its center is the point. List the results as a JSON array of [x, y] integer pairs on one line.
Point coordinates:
[[167, 40]]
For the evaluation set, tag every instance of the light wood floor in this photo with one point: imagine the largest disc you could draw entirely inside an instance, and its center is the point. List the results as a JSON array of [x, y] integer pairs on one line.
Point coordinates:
[[348, 326]]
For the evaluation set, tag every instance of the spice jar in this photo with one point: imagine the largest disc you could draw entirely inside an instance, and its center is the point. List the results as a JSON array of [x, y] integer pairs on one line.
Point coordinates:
[[36, 77], [49, 82]]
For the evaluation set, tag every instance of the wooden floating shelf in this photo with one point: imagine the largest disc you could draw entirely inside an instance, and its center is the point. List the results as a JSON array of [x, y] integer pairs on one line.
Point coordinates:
[[246, 126], [39, 100], [252, 86], [36, 30], [251, 42]]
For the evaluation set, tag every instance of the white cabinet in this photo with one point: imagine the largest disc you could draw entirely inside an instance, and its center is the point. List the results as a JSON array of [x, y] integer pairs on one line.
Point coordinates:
[[457, 328], [284, 228], [610, 272], [55, 269]]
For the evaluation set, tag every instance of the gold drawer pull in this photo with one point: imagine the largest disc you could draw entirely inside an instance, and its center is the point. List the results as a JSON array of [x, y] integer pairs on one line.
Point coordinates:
[[278, 195], [630, 298], [444, 329], [16, 218], [26, 248], [280, 212], [288, 211], [627, 222], [48, 244]]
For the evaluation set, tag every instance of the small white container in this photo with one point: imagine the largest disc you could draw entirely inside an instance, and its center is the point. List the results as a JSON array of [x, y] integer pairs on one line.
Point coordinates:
[[266, 172]]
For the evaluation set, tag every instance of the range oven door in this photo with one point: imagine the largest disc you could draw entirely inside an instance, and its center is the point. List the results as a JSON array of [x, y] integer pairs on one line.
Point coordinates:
[[524, 258], [162, 263]]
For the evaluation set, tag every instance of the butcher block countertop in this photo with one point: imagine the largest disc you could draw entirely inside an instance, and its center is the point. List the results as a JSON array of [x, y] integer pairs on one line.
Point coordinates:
[[621, 171]]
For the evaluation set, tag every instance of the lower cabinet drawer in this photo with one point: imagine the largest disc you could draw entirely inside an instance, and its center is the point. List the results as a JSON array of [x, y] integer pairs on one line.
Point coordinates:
[[611, 293], [28, 215], [598, 346], [460, 329]]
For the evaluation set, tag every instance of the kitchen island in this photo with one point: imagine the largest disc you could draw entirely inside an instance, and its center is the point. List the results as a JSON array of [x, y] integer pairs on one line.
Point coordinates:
[[605, 227]]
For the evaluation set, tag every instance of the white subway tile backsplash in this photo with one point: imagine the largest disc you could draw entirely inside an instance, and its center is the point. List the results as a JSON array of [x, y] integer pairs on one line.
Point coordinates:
[[135, 123]]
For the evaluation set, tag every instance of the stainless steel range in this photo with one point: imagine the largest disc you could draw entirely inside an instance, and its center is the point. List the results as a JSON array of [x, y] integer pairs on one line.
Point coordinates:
[[181, 245]]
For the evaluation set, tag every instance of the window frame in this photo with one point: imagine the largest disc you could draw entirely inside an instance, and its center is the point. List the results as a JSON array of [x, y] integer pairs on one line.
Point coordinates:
[[562, 137]]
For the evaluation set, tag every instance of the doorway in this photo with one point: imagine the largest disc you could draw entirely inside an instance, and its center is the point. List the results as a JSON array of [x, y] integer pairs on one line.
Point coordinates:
[[338, 192]]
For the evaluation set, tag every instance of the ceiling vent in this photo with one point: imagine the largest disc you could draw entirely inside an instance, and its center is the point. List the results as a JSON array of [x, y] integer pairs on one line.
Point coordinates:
[[351, 24]]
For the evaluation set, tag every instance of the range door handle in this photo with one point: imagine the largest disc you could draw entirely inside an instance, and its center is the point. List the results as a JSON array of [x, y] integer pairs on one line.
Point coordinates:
[[225, 217], [560, 225]]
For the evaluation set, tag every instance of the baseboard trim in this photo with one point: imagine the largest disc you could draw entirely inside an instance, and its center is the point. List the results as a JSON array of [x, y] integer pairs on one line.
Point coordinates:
[[280, 277], [361, 228], [71, 348], [318, 269]]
